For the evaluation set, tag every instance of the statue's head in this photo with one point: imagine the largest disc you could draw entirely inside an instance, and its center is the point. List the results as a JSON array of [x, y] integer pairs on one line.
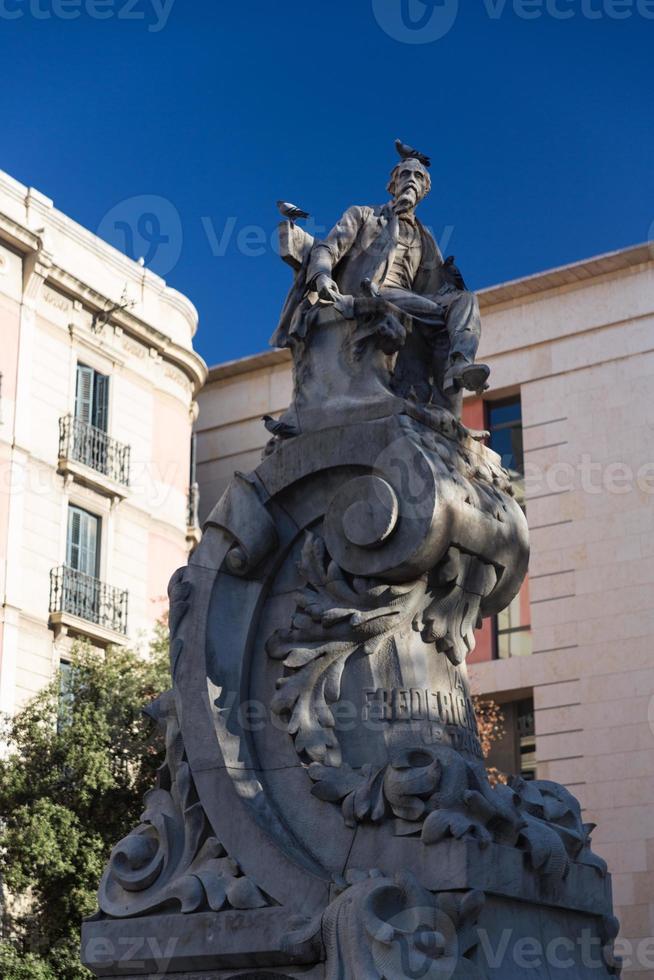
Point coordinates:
[[409, 183]]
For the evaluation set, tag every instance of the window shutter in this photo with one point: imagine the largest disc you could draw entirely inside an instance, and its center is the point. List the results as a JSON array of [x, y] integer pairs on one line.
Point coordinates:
[[100, 415], [83, 541], [84, 394], [72, 544]]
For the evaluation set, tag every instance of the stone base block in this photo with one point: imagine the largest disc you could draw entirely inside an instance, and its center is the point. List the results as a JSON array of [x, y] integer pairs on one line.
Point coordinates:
[[289, 973], [514, 940]]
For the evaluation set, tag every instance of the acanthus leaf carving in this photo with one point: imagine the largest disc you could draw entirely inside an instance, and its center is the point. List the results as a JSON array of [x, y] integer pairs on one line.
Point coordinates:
[[437, 794], [449, 621], [173, 859], [335, 617], [338, 615]]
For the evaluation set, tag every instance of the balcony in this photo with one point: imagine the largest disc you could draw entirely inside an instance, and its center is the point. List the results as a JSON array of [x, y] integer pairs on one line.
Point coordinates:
[[86, 606], [90, 456]]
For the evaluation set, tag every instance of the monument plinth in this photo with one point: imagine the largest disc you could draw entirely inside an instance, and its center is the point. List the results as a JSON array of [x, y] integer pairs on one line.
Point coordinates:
[[324, 810]]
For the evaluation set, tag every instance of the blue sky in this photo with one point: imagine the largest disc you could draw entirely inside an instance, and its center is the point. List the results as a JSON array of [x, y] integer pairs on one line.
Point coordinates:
[[172, 126]]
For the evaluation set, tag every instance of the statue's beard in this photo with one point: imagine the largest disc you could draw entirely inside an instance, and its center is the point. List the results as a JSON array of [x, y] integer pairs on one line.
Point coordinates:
[[406, 200]]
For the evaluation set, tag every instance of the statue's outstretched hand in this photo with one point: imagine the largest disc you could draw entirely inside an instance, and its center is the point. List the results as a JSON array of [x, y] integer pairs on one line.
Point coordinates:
[[327, 289]]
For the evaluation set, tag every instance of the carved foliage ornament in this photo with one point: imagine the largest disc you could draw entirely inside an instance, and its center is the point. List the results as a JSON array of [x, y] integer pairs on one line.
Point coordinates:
[[172, 860], [338, 615], [436, 794]]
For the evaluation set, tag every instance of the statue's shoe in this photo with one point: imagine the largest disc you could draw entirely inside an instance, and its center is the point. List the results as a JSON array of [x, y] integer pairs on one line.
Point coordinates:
[[472, 377]]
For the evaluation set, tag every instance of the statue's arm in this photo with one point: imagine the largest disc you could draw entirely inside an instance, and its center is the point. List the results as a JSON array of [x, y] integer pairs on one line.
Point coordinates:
[[326, 254]]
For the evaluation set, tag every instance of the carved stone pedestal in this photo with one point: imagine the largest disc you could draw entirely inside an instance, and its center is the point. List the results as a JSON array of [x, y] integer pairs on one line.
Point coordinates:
[[324, 810], [467, 911]]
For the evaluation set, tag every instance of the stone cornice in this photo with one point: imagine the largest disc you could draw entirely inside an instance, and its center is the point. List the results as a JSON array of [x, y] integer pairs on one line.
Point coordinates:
[[574, 274], [187, 360], [31, 226]]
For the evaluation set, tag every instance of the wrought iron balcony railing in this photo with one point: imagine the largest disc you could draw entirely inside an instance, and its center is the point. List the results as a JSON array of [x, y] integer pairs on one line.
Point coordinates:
[[85, 444], [88, 598]]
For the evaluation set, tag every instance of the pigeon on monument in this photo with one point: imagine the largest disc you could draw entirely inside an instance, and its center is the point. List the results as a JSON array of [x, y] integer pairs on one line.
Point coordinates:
[[453, 274], [291, 211], [279, 428], [408, 153]]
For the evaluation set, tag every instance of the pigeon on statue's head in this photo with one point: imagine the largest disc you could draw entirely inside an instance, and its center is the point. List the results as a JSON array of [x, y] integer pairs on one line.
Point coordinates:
[[409, 153]]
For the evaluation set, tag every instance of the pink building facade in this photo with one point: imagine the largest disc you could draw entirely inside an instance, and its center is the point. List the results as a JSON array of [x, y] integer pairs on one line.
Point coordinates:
[[96, 418]]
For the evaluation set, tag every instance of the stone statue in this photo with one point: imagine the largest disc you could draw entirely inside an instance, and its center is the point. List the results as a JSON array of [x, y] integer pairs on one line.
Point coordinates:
[[324, 811], [383, 260]]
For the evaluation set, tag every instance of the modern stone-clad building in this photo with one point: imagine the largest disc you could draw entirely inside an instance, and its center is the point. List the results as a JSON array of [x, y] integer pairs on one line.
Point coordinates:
[[98, 378], [572, 661]]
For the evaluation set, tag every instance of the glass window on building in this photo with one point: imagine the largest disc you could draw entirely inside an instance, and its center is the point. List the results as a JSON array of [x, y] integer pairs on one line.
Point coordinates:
[[81, 586], [83, 543], [512, 628], [504, 421], [526, 737], [65, 694], [514, 754], [92, 397], [90, 440]]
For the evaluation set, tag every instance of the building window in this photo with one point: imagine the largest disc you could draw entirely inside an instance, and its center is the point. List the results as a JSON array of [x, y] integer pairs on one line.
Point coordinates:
[[83, 542], [75, 588], [512, 627], [504, 422], [83, 436], [81, 580], [65, 694], [514, 753], [92, 398], [526, 738], [193, 504]]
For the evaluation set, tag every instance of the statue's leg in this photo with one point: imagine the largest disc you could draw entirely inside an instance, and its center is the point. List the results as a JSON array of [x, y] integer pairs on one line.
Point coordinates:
[[446, 329], [463, 323], [422, 362]]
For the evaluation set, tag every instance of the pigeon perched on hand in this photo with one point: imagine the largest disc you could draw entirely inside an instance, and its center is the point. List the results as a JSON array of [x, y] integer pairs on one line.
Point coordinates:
[[408, 153], [291, 211]]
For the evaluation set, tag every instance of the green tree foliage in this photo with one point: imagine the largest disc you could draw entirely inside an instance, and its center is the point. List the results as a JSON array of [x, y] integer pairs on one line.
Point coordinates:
[[80, 757]]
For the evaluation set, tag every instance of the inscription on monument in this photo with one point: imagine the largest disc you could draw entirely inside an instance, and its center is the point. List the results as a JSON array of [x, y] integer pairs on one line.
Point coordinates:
[[449, 717]]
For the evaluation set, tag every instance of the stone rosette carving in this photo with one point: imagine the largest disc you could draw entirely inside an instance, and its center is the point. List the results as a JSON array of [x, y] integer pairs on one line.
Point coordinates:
[[383, 928]]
